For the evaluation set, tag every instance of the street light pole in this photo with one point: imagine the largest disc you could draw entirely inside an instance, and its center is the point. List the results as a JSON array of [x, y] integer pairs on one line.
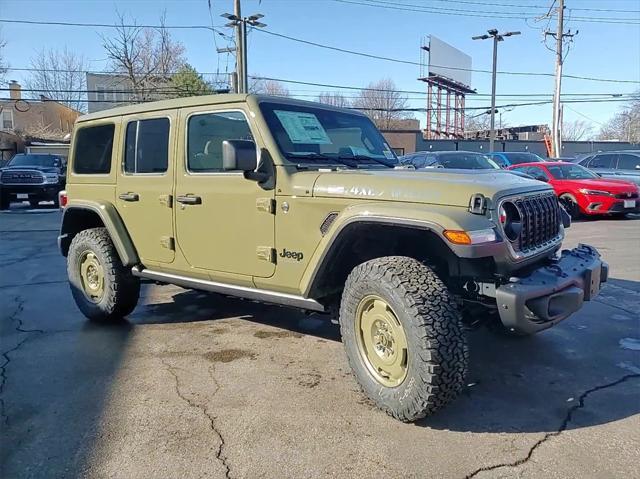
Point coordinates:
[[497, 37], [240, 24]]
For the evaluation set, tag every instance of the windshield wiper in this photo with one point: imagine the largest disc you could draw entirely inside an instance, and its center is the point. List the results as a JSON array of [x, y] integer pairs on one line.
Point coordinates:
[[367, 158], [320, 156]]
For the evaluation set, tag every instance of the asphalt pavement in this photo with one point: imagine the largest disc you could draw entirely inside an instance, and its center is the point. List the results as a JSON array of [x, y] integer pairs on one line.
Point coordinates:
[[197, 385]]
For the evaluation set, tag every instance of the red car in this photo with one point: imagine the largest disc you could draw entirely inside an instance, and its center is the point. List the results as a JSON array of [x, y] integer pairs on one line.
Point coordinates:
[[583, 192]]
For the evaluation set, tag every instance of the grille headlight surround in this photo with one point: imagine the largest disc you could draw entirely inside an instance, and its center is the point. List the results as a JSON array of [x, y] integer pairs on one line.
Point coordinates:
[[510, 220], [51, 179]]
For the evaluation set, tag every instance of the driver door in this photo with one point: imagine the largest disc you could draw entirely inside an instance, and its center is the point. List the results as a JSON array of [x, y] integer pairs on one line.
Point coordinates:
[[224, 221]]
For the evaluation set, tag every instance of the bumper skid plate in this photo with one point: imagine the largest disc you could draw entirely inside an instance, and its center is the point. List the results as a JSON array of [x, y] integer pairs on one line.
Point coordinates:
[[553, 292]]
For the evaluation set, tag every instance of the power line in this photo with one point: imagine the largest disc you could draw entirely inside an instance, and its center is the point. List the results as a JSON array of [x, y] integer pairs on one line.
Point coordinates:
[[316, 44], [540, 7], [477, 14], [409, 62]]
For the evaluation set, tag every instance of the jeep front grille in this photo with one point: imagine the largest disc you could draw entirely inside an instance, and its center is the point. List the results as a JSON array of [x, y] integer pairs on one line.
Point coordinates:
[[539, 222], [22, 177]]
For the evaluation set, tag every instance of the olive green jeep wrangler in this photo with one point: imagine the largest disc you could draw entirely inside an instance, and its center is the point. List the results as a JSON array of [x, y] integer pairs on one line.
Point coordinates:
[[304, 205]]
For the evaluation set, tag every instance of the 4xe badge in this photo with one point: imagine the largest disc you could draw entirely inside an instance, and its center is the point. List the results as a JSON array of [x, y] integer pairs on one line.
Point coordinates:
[[297, 255]]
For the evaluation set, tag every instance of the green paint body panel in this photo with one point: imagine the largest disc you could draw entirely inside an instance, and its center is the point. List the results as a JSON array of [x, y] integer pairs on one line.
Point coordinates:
[[252, 234]]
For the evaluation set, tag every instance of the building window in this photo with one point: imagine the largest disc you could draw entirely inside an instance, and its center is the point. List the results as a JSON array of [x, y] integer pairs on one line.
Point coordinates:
[[7, 119], [100, 92]]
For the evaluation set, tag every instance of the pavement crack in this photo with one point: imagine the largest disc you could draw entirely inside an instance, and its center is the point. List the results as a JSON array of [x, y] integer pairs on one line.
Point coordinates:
[[563, 426], [15, 316], [220, 456]]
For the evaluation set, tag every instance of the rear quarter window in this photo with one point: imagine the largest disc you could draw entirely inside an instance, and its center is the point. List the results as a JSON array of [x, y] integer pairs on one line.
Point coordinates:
[[92, 150]]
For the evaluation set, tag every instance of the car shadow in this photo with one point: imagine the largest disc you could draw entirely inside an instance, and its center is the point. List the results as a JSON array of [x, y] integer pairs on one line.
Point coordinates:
[[188, 306], [514, 384]]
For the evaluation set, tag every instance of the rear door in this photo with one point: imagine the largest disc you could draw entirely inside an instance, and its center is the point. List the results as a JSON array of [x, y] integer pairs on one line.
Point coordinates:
[[144, 193]]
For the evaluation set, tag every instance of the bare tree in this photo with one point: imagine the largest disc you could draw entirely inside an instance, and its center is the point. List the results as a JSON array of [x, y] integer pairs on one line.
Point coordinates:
[[59, 75], [576, 130], [383, 103], [268, 87], [624, 125], [3, 61], [477, 122], [334, 99], [147, 57]]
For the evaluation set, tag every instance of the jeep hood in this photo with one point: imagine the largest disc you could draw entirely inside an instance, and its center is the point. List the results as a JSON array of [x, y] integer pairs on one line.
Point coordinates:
[[435, 186]]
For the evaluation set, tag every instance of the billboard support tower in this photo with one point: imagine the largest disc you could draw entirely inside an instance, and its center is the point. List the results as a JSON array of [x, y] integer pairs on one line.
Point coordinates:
[[447, 74]]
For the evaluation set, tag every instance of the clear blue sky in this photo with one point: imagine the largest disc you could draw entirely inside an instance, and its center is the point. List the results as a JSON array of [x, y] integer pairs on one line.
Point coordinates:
[[600, 49]]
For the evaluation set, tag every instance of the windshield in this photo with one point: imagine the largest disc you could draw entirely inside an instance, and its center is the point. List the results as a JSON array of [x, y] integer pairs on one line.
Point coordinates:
[[466, 161], [571, 171], [317, 134], [35, 160]]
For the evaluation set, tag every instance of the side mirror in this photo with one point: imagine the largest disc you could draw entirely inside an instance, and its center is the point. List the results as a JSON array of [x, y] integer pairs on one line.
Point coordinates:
[[542, 178], [239, 155]]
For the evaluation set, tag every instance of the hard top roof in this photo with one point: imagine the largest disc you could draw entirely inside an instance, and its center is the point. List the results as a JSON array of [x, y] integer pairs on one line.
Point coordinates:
[[198, 101]]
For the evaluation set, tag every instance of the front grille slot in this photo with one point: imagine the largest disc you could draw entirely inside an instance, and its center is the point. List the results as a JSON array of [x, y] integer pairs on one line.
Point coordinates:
[[22, 177], [626, 196], [540, 217]]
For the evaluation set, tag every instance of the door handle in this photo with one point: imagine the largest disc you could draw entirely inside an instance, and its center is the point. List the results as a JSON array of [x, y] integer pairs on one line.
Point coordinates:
[[189, 200], [129, 196]]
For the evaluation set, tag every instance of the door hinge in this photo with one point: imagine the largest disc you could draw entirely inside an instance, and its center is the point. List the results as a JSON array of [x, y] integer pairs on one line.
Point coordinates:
[[266, 253], [268, 205], [166, 200], [168, 242]]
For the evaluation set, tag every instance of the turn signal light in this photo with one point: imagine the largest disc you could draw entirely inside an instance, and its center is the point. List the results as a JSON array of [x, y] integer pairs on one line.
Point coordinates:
[[457, 237]]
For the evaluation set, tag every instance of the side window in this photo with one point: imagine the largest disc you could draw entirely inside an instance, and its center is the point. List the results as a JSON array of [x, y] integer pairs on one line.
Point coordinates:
[[205, 134], [147, 146], [92, 152], [628, 162], [603, 161]]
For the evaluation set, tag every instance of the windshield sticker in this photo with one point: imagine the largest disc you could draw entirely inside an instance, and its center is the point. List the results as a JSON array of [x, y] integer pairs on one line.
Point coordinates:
[[303, 127], [388, 154]]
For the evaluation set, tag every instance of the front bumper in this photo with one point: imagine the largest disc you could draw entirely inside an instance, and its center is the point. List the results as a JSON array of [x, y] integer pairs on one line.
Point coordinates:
[[553, 292], [49, 190]]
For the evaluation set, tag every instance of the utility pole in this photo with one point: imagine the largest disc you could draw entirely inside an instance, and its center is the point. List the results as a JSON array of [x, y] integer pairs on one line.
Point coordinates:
[[240, 25], [239, 48], [497, 37], [559, 35]]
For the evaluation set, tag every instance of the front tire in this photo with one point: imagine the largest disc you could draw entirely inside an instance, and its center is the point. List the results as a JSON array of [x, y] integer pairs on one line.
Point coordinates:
[[403, 336], [5, 201], [571, 206], [102, 287]]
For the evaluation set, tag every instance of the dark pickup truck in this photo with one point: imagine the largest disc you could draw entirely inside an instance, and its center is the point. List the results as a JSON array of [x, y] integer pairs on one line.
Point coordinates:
[[32, 177]]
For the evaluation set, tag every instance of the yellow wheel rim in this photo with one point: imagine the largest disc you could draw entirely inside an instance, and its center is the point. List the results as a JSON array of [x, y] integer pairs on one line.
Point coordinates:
[[92, 276], [382, 343]]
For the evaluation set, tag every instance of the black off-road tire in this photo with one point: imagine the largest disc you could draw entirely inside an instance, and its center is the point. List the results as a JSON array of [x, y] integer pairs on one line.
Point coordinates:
[[121, 288], [5, 201], [437, 350]]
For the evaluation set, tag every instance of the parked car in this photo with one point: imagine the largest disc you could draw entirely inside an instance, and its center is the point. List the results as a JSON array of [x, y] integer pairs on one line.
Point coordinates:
[[32, 177], [505, 159], [462, 160], [459, 160], [582, 192], [615, 164]]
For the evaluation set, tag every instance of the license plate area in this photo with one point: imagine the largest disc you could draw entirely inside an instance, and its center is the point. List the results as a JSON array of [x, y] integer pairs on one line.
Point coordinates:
[[22, 196], [629, 203]]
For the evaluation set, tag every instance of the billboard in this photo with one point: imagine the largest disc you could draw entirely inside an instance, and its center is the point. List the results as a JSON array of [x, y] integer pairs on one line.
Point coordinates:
[[449, 62]]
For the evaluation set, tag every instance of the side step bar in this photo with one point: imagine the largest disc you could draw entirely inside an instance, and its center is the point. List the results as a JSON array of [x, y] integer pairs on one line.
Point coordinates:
[[231, 290]]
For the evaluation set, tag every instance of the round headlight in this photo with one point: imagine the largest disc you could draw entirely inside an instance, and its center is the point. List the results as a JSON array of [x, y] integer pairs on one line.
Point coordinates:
[[510, 220]]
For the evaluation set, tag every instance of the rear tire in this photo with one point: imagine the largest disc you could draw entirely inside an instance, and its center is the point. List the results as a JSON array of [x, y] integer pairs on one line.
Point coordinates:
[[408, 295], [101, 286]]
